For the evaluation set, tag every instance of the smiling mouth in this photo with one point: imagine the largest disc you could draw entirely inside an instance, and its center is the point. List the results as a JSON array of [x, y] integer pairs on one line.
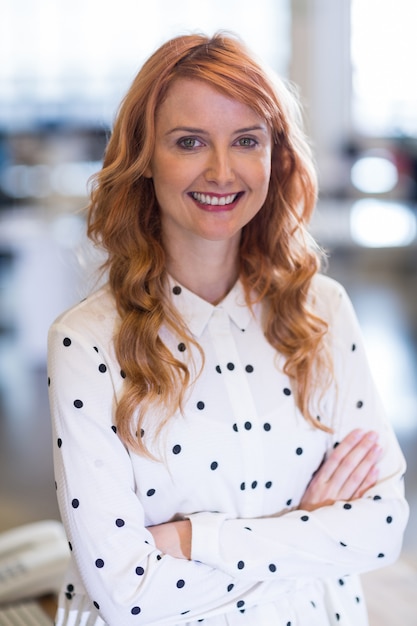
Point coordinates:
[[210, 200]]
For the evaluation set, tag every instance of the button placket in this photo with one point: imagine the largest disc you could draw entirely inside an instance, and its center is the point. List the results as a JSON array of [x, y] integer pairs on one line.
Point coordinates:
[[245, 416]]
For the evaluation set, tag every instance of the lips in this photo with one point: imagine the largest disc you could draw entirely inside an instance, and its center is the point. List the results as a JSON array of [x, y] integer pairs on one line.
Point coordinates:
[[215, 201]]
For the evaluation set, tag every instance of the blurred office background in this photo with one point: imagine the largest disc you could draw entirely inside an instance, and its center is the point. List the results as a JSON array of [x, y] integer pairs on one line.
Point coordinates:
[[64, 67]]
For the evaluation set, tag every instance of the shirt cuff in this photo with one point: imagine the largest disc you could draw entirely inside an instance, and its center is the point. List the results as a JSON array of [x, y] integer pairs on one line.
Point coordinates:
[[205, 544]]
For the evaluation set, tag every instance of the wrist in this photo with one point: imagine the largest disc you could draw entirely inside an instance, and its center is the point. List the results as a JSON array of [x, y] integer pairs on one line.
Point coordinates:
[[184, 537]]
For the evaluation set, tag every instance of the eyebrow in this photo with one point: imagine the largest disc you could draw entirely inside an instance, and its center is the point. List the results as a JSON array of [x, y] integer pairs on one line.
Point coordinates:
[[201, 131]]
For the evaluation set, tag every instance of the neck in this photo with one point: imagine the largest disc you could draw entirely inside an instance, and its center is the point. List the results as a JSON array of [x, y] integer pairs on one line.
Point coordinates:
[[209, 272]]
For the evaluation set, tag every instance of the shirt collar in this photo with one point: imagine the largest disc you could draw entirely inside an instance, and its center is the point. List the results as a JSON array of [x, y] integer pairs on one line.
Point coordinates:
[[197, 312]]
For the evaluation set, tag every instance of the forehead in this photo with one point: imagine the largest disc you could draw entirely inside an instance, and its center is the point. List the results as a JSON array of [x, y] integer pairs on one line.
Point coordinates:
[[189, 101]]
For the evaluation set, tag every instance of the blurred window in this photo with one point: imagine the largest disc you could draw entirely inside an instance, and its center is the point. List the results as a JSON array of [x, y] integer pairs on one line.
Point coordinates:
[[73, 61], [384, 52]]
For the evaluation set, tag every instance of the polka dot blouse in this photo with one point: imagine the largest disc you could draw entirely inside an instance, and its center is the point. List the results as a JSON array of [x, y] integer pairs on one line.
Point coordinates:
[[236, 464]]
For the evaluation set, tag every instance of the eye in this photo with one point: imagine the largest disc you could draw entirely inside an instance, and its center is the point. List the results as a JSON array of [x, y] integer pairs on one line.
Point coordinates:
[[247, 142], [188, 143]]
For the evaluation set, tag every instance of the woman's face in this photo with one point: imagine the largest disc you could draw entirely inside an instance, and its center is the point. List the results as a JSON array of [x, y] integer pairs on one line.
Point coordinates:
[[210, 166]]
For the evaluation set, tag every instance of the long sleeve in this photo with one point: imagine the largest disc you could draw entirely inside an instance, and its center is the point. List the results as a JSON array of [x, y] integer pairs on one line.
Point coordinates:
[[332, 541]]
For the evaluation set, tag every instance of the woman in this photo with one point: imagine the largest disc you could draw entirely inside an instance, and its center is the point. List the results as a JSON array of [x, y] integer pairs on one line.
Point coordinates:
[[221, 454]]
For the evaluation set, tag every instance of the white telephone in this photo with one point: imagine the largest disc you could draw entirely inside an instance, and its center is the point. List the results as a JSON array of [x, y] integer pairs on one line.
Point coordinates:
[[33, 560]]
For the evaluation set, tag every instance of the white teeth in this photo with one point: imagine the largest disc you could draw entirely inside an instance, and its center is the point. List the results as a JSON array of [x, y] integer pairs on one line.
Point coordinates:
[[214, 200]]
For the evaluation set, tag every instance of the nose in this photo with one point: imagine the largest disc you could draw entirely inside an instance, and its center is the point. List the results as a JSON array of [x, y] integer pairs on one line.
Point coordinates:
[[220, 167]]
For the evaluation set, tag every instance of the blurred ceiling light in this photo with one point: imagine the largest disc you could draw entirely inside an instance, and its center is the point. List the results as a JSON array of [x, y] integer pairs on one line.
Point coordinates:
[[382, 224], [374, 174]]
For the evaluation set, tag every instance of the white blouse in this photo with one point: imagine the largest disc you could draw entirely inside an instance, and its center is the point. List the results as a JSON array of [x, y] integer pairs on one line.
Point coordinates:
[[236, 463]]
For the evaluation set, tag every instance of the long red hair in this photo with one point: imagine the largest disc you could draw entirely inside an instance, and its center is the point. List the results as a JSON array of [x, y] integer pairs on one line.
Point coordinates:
[[278, 258]]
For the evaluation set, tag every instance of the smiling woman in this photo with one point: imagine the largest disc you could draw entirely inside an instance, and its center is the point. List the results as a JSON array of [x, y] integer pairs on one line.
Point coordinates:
[[210, 168], [219, 440]]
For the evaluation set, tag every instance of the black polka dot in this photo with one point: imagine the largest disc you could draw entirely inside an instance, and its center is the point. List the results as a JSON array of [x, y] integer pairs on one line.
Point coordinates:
[[235, 428], [95, 348], [344, 545], [200, 405], [150, 492], [230, 366], [353, 347], [240, 603], [289, 502], [49, 382], [377, 498], [359, 404], [267, 427], [70, 546], [158, 557], [70, 588], [114, 429], [218, 369], [358, 599], [242, 486], [268, 484], [181, 347], [341, 582], [313, 604], [176, 290], [135, 610], [180, 583], [254, 484], [389, 519], [68, 595], [287, 392], [248, 425], [78, 404], [230, 587], [304, 518], [336, 443], [176, 449], [381, 555], [337, 617], [214, 465], [247, 528], [102, 368], [122, 373], [347, 506], [96, 604], [59, 442], [99, 563], [240, 565], [249, 369], [272, 567], [299, 451], [67, 342], [75, 503], [140, 571], [120, 522]]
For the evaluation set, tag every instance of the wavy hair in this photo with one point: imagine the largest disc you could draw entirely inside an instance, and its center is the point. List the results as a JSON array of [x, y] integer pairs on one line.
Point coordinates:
[[278, 258]]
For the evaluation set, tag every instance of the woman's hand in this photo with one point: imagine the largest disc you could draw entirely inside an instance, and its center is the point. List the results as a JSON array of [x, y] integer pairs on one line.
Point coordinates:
[[347, 473], [173, 538]]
